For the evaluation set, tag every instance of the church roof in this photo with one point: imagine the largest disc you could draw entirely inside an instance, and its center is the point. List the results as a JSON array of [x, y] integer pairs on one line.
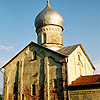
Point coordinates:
[[85, 81], [67, 50]]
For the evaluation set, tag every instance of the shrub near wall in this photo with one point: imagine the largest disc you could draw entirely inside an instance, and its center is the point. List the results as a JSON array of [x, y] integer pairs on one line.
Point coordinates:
[[0, 96]]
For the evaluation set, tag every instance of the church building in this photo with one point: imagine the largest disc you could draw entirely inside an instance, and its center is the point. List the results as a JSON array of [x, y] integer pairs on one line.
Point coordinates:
[[47, 70]]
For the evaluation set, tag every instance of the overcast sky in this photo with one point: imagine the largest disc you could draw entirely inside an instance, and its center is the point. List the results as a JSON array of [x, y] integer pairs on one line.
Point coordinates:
[[81, 25]]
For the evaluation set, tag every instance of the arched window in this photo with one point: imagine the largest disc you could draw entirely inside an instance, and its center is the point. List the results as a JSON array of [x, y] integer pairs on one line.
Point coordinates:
[[34, 56], [78, 57], [54, 83], [22, 96], [33, 89], [44, 38]]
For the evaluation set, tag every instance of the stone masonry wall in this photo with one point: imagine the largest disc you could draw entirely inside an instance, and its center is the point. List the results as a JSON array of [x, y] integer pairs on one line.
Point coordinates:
[[91, 94], [34, 66]]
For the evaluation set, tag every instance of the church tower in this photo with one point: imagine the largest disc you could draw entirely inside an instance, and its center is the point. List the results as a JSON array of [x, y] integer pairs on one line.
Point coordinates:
[[49, 27]]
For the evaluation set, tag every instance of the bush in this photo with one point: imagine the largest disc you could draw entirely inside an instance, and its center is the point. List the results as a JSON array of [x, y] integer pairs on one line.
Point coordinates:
[[1, 96]]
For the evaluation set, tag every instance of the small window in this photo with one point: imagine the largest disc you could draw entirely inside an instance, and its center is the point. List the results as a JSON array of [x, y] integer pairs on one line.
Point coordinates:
[[55, 83], [22, 96], [44, 38], [33, 89], [78, 57], [34, 56]]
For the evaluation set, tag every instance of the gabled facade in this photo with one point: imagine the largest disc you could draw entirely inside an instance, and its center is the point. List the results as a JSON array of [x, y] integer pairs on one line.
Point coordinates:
[[78, 64], [35, 73]]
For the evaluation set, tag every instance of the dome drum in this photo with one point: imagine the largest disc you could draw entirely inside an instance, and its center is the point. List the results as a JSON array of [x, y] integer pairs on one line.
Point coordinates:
[[49, 27]]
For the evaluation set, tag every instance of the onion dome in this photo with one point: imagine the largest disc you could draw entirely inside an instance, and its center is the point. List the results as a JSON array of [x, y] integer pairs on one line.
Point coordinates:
[[48, 16]]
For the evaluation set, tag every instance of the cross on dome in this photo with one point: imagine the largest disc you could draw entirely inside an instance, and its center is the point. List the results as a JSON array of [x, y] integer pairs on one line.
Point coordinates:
[[48, 1]]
